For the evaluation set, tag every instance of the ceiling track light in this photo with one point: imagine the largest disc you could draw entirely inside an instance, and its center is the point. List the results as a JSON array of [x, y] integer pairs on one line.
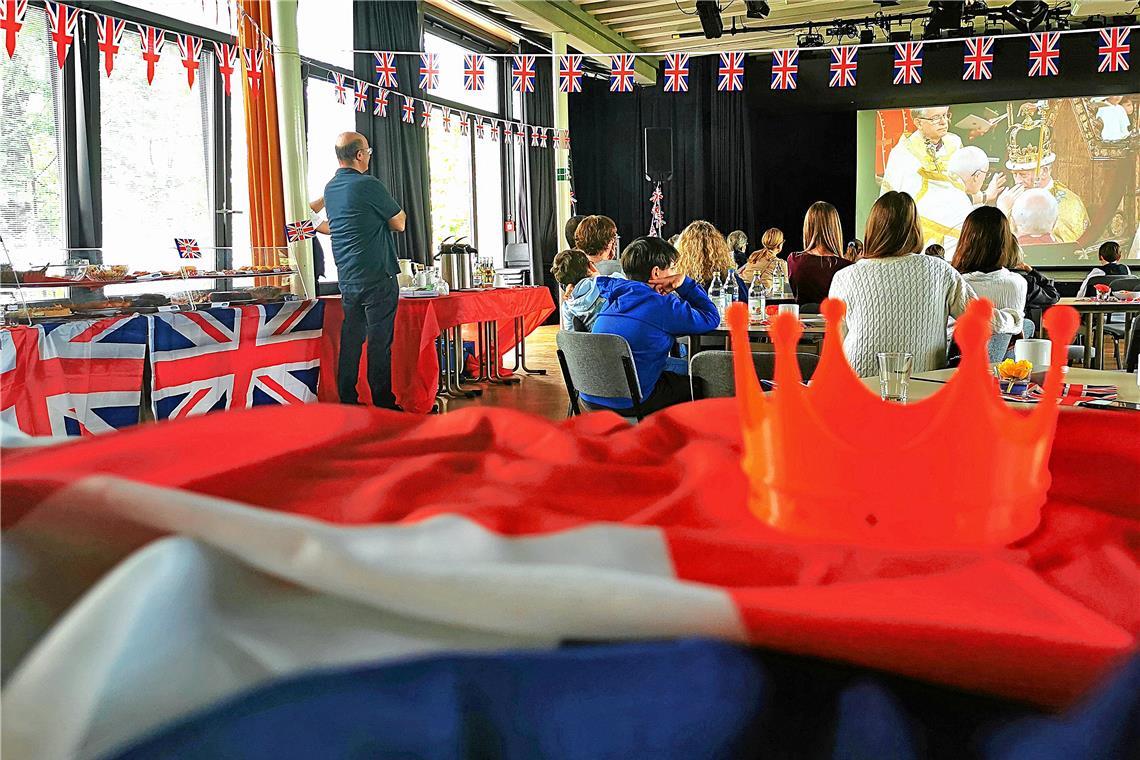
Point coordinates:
[[756, 9], [1026, 15], [711, 22]]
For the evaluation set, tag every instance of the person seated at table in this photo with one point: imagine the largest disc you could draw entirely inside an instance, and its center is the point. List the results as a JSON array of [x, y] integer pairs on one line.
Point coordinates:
[[703, 252], [854, 250], [810, 270], [936, 251], [581, 301], [597, 236], [899, 300], [571, 228], [1040, 291], [986, 252], [766, 262], [1109, 255], [651, 310], [738, 244]]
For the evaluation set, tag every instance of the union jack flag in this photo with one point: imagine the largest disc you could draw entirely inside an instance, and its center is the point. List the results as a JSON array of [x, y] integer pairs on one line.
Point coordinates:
[[1043, 54], [519, 134], [429, 71], [73, 378], [425, 116], [495, 132], [191, 49], [12, 13], [569, 73], [386, 70], [254, 59], [621, 73], [730, 76], [523, 74], [235, 358], [480, 130], [295, 232], [542, 143], [408, 110], [1115, 49], [533, 137], [908, 63], [979, 58], [843, 66], [187, 248], [110, 39], [785, 67], [380, 107], [63, 21], [464, 125], [360, 97], [152, 40], [677, 72], [227, 62], [474, 72], [340, 88], [446, 119]]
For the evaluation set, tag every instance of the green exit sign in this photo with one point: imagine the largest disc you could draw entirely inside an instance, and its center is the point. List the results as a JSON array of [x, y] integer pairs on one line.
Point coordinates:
[[562, 174]]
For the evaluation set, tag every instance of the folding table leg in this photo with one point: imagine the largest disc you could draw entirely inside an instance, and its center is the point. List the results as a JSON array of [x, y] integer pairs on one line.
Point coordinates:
[[1099, 340], [455, 363], [520, 350], [489, 356]]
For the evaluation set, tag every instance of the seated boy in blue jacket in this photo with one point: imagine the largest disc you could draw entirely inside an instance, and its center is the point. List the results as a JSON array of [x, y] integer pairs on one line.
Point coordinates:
[[650, 310]]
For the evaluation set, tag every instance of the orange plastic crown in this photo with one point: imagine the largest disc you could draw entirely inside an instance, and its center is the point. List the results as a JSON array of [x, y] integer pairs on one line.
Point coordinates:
[[832, 462]]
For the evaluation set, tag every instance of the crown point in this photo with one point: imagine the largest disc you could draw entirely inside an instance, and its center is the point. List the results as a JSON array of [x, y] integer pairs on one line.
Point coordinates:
[[1061, 321], [972, 329], [833, 309], [737, 317]]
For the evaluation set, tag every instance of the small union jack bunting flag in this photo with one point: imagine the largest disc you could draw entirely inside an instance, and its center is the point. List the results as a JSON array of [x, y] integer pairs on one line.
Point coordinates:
[[464, 125], [677, 72], [534, 137], [480, 130], [429, 71], [542, 137], [523, 73], [1044, 54], [446, 120], [843, 66], [63, 22], [979, 58], [785, 67], [191, 49], [12, 13], [340, 88], [1114, 49], [110, 39], [380, 106], [152, 40], [730, 76], [254, 60], [474, 72], [360, 97], [386, 70], [569, 73], [408, 110], [621, 73], [908, 63], [495, 132], [227, 62], [187, 248], [425, 116], [295, 232]]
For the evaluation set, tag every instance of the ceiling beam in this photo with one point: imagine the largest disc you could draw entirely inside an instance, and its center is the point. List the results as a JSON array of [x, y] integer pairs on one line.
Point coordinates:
[[583, 31]]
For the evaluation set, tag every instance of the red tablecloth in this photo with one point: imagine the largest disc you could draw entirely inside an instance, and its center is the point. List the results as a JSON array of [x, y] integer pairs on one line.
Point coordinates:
[[419, 321]]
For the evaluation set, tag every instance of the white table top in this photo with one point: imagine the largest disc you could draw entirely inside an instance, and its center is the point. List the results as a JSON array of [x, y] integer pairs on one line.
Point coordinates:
[[928, 383]]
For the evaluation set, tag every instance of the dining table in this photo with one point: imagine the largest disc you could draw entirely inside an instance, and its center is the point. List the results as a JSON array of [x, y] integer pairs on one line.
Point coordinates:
[[1093, 314], [925, 384]]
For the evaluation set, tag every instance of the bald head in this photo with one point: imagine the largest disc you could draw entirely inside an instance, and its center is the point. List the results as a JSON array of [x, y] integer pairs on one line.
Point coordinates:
[[352, 150]]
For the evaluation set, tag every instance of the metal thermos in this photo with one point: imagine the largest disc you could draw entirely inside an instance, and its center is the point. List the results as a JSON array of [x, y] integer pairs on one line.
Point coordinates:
[[457, 264]]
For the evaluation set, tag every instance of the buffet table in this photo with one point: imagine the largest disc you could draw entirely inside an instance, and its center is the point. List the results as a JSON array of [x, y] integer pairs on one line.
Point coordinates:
[[419, 323]]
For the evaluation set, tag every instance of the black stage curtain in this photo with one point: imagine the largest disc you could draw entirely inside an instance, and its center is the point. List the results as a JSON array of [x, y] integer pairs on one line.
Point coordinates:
[[543, 233], [83, 184], [399, 150]]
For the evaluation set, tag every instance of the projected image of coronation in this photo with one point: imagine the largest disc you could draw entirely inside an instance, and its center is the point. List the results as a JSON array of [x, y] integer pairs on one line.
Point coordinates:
[[1065, 171]]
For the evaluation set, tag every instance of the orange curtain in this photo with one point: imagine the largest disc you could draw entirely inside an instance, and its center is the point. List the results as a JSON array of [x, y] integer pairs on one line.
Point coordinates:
[[266, 192]]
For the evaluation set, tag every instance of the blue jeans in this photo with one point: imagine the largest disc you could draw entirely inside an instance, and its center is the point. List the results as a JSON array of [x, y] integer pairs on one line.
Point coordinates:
[[369, 313]]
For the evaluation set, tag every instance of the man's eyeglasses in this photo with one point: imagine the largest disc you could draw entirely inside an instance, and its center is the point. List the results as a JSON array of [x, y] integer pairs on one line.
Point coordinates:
[[367, 150], [940, 119]]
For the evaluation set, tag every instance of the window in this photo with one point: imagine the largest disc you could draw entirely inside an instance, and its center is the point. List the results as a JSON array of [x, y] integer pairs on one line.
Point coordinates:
[[31, 185], [215, 15], [451, 182], [326, 120], [239, 181], [324, 31], [451, 76], [156, 162]]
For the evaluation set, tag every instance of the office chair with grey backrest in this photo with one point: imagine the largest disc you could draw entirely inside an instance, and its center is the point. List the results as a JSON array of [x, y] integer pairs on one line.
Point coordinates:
[[714, 368], [517, 267], [598, 365], [1117, 330]]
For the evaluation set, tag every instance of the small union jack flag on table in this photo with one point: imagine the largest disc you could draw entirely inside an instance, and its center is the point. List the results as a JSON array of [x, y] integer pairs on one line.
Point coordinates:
[[523, 73], [73, 378], [1114, 50], [979, 58], [187, 248], [111, 32], [843, 66], [429, 71], [474, 72], [386, 70], [677, 72], [785, 67], [621, 73], [12, 14], [730, 75], [1043, 54], [295, 232], [235, 358], [908, 63], [570, 73]]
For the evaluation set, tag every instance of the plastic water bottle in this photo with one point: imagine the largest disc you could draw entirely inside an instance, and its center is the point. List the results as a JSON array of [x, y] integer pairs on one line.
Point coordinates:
[[731, 289], [778, 288], [716, 294], [756, 302]]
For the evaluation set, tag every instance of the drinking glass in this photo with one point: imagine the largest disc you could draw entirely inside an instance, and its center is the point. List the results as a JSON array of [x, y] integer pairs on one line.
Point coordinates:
[[894, 375]]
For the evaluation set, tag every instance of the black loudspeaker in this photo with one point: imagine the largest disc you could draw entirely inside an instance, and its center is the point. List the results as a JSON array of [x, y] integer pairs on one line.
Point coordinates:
[[658, 154]]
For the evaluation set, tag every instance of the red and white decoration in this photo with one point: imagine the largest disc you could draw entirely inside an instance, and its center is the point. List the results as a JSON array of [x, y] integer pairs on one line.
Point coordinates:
[[254, 61], [495, 132], [979, 58], [908, 63], [63, 23], [677, 72], [844, 63], [380, 107], [12, 14], [111, 32], [480, 128], [523, 73], [785, 68], [386, 70], [408, 110], [425, 116], [187, 248], [152, 39], [730, 75], [446, 120], [569, 73], [429, 71], [191, 50], [474, 72], [227, 62], [295, 232], [621, 73], [1044, 54], [340, 89], [656, 215], [360, 97], [1114, 50]]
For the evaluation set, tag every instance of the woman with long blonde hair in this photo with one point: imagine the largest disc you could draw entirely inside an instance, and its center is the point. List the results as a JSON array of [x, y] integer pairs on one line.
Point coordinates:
[[766, 262], [810, 270], [702, 252]]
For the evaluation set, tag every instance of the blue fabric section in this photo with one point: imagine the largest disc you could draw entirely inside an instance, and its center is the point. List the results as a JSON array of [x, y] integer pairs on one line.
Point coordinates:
[[131, 332], [677, 699], [308, 377], [314, 320], [118, 416], [650, 323], [166, 338], [261, 398], [227, 316]]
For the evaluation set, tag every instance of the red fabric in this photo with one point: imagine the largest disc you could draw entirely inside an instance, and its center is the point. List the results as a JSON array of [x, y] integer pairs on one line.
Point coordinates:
[[415, 366], [1040, 620]]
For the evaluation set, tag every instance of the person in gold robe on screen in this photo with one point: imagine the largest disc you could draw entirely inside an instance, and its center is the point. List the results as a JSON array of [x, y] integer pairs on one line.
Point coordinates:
[[1030, 159]]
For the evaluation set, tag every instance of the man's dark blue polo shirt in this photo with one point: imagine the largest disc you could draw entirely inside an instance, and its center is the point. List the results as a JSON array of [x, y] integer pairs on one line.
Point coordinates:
[[359, 207]]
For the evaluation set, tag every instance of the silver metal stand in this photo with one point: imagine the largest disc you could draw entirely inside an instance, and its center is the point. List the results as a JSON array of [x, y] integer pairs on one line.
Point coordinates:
[[520, 350]]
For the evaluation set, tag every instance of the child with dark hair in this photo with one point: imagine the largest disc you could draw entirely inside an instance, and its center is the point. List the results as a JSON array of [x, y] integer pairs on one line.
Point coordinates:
[[650, 310], [934, 250], [581, 301], [1110, 265]]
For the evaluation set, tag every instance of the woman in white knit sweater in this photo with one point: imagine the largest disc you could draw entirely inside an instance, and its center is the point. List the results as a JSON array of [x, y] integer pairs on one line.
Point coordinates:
[[898, 299]]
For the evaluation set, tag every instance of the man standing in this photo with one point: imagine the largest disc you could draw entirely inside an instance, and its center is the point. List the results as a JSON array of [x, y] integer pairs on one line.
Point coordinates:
[[362, 217]]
